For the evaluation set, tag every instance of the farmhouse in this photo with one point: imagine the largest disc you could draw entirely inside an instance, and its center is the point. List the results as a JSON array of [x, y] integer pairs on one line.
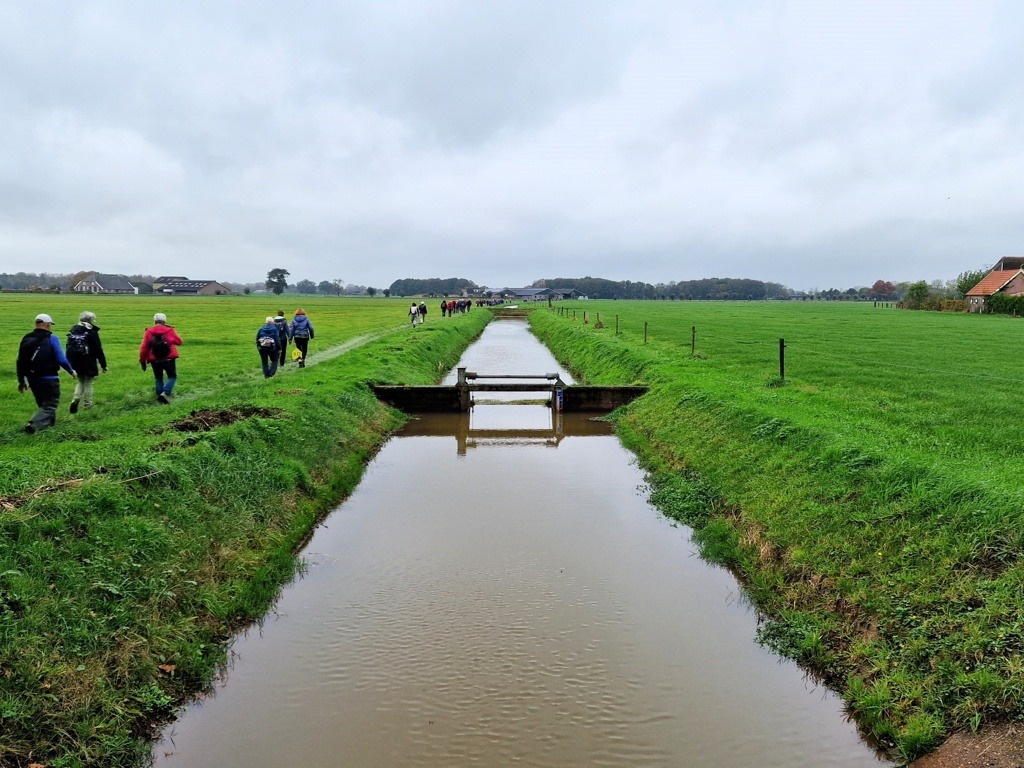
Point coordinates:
[[1007, 277], [182, 286], [543, 294], [97, 283], [566, 293]]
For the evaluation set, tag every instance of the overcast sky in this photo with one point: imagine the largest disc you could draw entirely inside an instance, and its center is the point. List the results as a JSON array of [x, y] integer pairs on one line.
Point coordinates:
[[816, 144]]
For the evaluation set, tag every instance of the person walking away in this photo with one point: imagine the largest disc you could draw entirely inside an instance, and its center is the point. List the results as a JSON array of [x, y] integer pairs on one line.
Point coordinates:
[[85, 353], [444, 308], [268, 342], [414, 313], [40, 359], [282, 330], [302, 332], [422, 309], [159, 350]]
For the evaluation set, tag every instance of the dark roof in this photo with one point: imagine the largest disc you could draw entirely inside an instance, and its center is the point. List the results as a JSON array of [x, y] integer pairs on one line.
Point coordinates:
[[187, 285], [110, 282], [1010, 262]]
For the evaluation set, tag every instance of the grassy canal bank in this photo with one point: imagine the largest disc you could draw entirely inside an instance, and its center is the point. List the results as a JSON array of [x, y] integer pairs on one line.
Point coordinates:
[[135, 538], [870, 503]]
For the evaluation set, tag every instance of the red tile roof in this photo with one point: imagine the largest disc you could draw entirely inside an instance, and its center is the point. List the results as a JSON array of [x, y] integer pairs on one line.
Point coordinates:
[[993, 281]]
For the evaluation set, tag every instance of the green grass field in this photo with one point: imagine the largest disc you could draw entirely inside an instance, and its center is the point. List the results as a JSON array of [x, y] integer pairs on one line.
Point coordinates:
[[218, 334], [871, 502], [136, 537], [944, 387]]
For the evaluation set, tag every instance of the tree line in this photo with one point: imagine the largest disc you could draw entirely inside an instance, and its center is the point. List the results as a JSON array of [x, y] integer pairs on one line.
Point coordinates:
[[914, 295], [707, 289]]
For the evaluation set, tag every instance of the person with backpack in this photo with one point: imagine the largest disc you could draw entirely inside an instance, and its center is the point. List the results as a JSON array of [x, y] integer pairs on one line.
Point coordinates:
[[422, 310], [282, 330], [268, 343], [302, 332], [414, 313], [85, 353], [40, 359], [159, 350]]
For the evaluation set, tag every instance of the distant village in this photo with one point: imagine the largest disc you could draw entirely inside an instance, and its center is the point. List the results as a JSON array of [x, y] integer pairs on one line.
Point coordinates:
[[180, 285], [997, 289]]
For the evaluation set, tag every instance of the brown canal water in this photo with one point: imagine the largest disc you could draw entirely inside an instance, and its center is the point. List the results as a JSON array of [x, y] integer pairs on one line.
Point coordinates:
[[497, 591]]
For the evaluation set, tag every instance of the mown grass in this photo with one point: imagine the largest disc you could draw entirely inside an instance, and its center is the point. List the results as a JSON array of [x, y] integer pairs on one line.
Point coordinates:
[[871, 502], [134, 537]]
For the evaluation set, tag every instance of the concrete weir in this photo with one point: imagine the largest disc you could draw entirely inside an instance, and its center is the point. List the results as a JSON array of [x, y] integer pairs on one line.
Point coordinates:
[[456, 398]]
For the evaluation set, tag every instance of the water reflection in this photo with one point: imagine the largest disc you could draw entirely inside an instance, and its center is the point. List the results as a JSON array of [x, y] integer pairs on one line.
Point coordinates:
[[489, 425], [509, 606]]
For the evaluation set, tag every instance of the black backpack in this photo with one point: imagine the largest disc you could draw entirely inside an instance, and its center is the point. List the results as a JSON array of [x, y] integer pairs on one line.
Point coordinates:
[[78, 341], [36, 357], [159, 347]]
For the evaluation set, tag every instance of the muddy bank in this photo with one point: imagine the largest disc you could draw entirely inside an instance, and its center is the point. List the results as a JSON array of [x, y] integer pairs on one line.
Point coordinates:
[[997, 747]]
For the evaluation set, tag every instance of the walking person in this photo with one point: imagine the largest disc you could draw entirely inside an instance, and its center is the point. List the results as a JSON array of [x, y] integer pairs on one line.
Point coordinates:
[[159, 350], [40, 359], [422, 309], [414, 313], [268, 342], [282, 330], [302, 332], [444, 308], [85, 353]]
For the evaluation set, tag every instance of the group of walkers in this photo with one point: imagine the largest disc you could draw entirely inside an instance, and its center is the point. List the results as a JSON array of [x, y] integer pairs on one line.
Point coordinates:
[[273, 336], [449, 308], [41, 358]]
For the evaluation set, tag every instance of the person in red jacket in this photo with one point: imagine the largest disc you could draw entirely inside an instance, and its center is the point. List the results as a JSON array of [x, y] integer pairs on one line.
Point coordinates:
[[159, 349]]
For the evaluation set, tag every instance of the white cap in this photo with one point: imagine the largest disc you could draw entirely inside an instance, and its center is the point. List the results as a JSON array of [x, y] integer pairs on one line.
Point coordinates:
[[270, 320], [159, 317], [44, 319]]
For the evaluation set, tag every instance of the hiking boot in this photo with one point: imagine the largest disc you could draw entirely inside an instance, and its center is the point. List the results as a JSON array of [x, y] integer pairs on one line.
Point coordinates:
[[74, 406], [162, 398]]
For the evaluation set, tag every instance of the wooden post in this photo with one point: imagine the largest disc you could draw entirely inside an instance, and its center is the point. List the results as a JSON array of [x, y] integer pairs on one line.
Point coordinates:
[[616, 325], [645, 332], [462, 387], [782, 359], [693, 340]]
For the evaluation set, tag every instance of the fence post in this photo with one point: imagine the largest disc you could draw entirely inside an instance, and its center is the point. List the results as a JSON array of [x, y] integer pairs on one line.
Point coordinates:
[[616, 325], [782, 359], [693, 341], [645, 332]]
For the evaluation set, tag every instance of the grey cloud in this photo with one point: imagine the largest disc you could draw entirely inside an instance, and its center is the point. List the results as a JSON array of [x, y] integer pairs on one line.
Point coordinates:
[[803, 143]]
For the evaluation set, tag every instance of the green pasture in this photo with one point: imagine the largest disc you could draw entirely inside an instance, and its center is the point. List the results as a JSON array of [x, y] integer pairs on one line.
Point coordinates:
[[136, 537], [218, 333], [871, 501], [939, 387]]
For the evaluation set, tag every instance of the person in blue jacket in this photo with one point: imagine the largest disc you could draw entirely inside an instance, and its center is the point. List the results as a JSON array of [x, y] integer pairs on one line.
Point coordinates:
[[302, 332], [268, 342], [40, 358]]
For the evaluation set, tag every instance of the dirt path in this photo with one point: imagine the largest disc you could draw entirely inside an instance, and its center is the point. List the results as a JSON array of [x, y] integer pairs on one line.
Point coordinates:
[[999, 747]]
